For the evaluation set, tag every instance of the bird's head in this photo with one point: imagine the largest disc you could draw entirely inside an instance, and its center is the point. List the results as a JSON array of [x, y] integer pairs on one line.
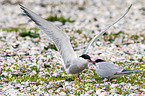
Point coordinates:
[[88, 58], [99, 60]]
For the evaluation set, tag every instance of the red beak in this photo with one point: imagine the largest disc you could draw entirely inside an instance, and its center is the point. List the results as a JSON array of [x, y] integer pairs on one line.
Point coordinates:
[[92, 62]]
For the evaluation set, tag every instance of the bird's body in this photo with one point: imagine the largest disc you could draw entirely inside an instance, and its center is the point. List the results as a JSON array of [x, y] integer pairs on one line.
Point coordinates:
[[77, 66], [110, 71], [106, 69]]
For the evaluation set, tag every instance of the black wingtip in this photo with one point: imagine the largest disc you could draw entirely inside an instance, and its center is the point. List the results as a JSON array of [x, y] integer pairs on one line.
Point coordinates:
[[21, 5], [130, 6]]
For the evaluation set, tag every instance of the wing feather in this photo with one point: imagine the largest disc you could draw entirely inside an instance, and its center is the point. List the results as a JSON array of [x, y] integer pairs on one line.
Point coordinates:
[[105, 69], [103, 31], [59, 37]]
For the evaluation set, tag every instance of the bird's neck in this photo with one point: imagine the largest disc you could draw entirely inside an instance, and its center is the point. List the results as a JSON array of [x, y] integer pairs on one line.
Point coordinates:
[[82, 63]]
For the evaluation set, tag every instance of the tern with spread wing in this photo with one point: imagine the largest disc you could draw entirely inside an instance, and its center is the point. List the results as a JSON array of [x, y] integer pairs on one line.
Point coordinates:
[[73, 64], [110, 71]]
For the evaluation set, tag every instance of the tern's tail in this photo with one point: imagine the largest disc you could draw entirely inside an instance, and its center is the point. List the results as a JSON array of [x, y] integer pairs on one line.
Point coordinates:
[[127, 72], [124, 72]]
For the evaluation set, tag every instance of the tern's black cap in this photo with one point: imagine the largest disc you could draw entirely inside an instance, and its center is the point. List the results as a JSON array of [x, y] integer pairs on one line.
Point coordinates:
[[99, 60], [85, 56]]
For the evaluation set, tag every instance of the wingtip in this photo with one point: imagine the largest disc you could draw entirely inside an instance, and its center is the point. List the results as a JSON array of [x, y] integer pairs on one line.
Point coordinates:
[[21, 6], [130, 6]]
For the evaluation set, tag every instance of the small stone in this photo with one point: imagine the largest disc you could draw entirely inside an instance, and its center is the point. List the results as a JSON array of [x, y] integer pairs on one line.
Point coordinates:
[[131, 59], [37, 83], [60, 85], [69, 79], [140, 60], [6, 81], [35, 40], [15, 46], [47, 66], [18, 74], [17, 87], [47, 82], [1, 83]]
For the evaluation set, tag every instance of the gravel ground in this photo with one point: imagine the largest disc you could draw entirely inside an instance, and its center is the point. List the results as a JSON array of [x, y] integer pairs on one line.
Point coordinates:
[[30, 64]]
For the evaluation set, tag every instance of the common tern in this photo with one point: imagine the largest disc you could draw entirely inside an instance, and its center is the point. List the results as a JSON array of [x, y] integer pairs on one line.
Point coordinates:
[[110, 71], [72, 63]]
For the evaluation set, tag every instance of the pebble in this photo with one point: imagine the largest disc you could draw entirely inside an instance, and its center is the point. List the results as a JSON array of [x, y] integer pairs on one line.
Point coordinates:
[[60, 85], [69, 79]]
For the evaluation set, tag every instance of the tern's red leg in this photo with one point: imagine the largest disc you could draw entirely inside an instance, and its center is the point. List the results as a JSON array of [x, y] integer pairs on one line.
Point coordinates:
[[73, 77], [109, 80], [79, 77]]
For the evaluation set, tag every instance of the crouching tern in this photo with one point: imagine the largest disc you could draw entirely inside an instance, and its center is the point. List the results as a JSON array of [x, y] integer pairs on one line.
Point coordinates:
[[110, 71], [72, 63]]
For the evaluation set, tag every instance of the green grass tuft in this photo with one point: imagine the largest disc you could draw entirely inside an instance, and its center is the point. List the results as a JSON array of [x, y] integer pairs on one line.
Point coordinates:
[[60, 19]]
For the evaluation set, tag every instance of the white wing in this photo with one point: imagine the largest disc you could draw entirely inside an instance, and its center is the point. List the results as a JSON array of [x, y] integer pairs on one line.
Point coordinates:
[[59, 37], [103, 31]]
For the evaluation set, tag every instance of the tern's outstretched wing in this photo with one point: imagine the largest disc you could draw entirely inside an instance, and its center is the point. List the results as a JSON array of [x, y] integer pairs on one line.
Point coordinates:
[[59, 37], [103, 31]]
